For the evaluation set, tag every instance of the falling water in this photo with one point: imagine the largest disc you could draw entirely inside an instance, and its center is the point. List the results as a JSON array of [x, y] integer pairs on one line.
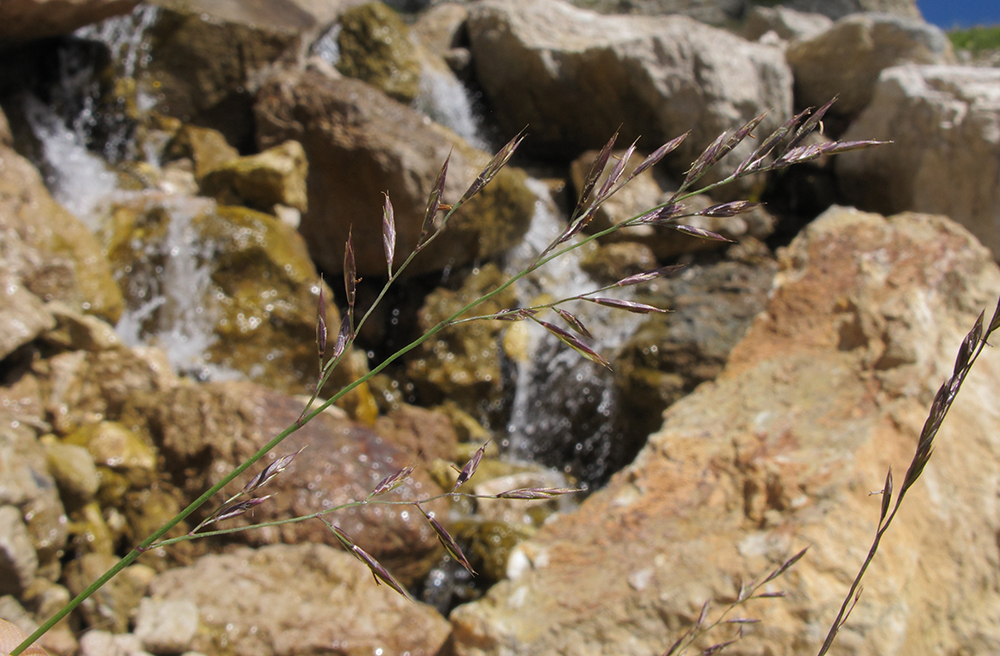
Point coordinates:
[[563, 407]]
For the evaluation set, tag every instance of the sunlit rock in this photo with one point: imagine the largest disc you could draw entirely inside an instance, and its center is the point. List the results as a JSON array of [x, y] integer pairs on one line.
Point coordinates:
[[49, 249], [306, 598], [375, 47], [944, 122], [830, 386], [276, 176]]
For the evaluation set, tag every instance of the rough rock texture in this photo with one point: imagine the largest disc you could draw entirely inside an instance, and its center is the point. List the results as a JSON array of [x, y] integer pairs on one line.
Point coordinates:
[[830, 386], [49, 249], [26, 20], [27, 486], [202, 71], [239, 281], [945, 125], [574, 77], [846, 59], [375, 47], [284, 600], [204, 432], [360, 144], [669, 355], [261, 181], [786, 23]]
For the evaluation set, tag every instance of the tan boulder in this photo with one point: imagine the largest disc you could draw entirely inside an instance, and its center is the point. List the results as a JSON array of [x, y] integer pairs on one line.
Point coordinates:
[[299, 599], [829, 388], [276, 176]]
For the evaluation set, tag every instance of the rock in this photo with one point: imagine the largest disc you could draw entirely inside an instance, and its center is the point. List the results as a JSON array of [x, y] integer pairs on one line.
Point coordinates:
[[201, 71], [204, 432], [226, 289], [463, 364], [669, 355], [428, 433], [829, 387], [11, 636], [610, 263], [49, 249], [73, 469], [18, 562], [26, 484], [74, 331], [360, 144], [944, 122], [207, 148], [6, 138], [846, 59], [112, 446], [275, 176], [307, 598], [575, 77], [836, 9], [786, 23], [441, 27], [105, 643], [166, 627], [23, 315], [375, 47], [27, 20], [113, 605]]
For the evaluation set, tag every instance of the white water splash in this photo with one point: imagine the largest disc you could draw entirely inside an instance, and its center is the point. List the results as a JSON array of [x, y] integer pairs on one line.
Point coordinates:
[[446, 101], [78, 179], [174, 309], [563, 403]]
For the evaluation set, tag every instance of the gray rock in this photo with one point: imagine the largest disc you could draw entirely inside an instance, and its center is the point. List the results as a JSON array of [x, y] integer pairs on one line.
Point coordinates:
[[846, 59], [944, 122], [574, 77], [25, 483], [786, 23], [22, 315]]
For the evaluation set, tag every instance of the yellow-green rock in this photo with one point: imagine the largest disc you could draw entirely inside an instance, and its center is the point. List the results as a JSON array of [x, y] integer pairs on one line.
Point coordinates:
[[375, 47], [275, 176]]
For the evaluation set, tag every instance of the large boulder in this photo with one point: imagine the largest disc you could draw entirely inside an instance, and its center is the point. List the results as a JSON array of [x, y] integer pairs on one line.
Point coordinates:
[[298, 599], [360, 144], [846, 59], [830, 386], [204, 432], [27, 20], [573, 77], [944, 122]]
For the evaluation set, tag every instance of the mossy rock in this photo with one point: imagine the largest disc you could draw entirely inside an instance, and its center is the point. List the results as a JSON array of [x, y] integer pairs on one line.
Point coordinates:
[[464, 363], [375, 47], [275, 176]]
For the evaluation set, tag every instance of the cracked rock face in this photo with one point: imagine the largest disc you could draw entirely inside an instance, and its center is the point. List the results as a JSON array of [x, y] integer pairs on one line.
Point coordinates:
[[829, 387]]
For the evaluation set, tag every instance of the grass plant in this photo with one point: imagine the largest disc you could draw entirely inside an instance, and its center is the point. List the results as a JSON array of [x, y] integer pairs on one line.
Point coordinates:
[[784, 147]]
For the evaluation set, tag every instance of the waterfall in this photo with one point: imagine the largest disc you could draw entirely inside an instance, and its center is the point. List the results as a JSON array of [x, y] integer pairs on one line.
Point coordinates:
[[563, 406]]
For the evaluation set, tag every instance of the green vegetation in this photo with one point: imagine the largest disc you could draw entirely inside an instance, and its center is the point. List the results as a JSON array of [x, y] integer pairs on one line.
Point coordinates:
[[976, 39]]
